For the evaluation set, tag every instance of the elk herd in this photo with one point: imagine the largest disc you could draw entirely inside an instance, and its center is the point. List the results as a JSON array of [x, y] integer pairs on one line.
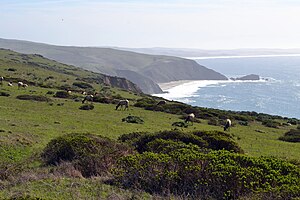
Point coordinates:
[[122, 104]]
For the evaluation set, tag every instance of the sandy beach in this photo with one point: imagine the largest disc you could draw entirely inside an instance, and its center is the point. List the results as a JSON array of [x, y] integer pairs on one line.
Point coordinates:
[[169, 85]]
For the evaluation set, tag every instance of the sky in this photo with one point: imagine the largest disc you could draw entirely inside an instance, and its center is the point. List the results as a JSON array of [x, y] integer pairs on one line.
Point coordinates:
[[201, 24]]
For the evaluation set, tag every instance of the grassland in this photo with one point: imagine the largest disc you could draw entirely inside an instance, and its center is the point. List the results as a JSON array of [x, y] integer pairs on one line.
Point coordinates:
[[27, 126]]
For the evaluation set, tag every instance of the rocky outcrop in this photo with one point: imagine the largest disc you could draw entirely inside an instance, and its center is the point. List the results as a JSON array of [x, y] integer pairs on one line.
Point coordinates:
[[121, 83], [146, 84], [250, 77]]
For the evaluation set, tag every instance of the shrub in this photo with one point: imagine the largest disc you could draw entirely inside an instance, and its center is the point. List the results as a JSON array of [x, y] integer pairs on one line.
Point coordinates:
[[33, 97], [133, 119], [270, 123], [90, 154], [293, 121], [87, 107], [62, 94], [214, 121], [169, 146], [50, 92], [101, 99], [144, 139], [243, 123], [218, 140], [291, 136], [212, 175], [180, 124], [83, 85], [4, 94], [145, 102]]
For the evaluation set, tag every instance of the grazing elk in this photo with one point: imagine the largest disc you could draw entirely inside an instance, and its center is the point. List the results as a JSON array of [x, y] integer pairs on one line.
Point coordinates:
[[123, 103], [1, 80], [88, 98], [21, 84], [227, 125], [190, 118]]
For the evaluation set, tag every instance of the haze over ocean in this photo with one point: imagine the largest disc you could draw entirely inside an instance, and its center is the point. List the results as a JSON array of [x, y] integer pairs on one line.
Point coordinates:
[[278, 95]]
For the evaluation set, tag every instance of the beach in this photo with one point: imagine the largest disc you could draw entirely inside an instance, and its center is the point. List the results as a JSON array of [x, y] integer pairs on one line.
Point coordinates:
[[172, 84]]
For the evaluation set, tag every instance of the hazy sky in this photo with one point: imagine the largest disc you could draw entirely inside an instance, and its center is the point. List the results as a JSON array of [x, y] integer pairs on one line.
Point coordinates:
[[204, 24]]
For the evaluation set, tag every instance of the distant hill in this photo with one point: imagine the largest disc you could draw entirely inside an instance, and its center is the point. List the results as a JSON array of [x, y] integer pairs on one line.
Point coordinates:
[[34, 69], [133, 66]]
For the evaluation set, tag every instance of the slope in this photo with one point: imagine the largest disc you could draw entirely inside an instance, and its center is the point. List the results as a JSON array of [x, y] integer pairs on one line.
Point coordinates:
[[108, 61]]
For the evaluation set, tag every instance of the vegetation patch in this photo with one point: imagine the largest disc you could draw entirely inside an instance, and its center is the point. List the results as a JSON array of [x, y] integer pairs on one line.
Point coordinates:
[[33, 98], [213, 175], [4, 94], [90, 154], [133, 119], [291, 136], [62, 94], [180, 124], [83, 85], [87, 107]]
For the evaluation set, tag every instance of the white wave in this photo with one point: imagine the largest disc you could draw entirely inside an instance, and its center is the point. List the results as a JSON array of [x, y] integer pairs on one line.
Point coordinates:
[[187, 90]]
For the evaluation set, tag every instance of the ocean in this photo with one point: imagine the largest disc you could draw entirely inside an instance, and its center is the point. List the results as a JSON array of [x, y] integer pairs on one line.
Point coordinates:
[[277, 93]]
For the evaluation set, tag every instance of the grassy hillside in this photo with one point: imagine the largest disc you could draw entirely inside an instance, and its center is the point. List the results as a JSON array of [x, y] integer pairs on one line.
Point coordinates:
[[27, 126]]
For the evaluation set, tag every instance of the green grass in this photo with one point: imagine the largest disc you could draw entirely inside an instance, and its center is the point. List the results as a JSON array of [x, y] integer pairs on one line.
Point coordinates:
[[27, 126]]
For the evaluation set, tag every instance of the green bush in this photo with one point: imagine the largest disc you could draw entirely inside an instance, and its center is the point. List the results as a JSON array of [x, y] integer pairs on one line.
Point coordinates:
[[270, 123], [4, 94], [169, 146], [83, 85], [180, 124], [101, 99], [33, 97], [291, 136], [243, 123], [133, 119], [218, 140], [212, 175], [141, 143], [90, 154], [62, 94], [87, 107]]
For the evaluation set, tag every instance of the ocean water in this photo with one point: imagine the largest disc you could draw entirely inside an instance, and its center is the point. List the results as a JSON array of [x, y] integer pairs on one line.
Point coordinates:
[[277, 93]]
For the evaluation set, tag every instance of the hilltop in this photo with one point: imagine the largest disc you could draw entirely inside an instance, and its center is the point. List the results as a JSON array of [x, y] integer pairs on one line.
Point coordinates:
[[142, 69], [35, 69], [52, 149]]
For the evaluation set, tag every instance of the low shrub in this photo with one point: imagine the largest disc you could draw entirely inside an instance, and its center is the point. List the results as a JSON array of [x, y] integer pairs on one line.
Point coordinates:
[[218, 140], [50, 92], [214, 121], [90, 154], [133, 119], [293, 121], [169, 146], [87, 107], [101, 99], [291, 136], [4, 94], [83, 85], [140, 143], [243, 123], [271, 123], [33, 98], [62, 94], [180, 124], [212, 175]]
